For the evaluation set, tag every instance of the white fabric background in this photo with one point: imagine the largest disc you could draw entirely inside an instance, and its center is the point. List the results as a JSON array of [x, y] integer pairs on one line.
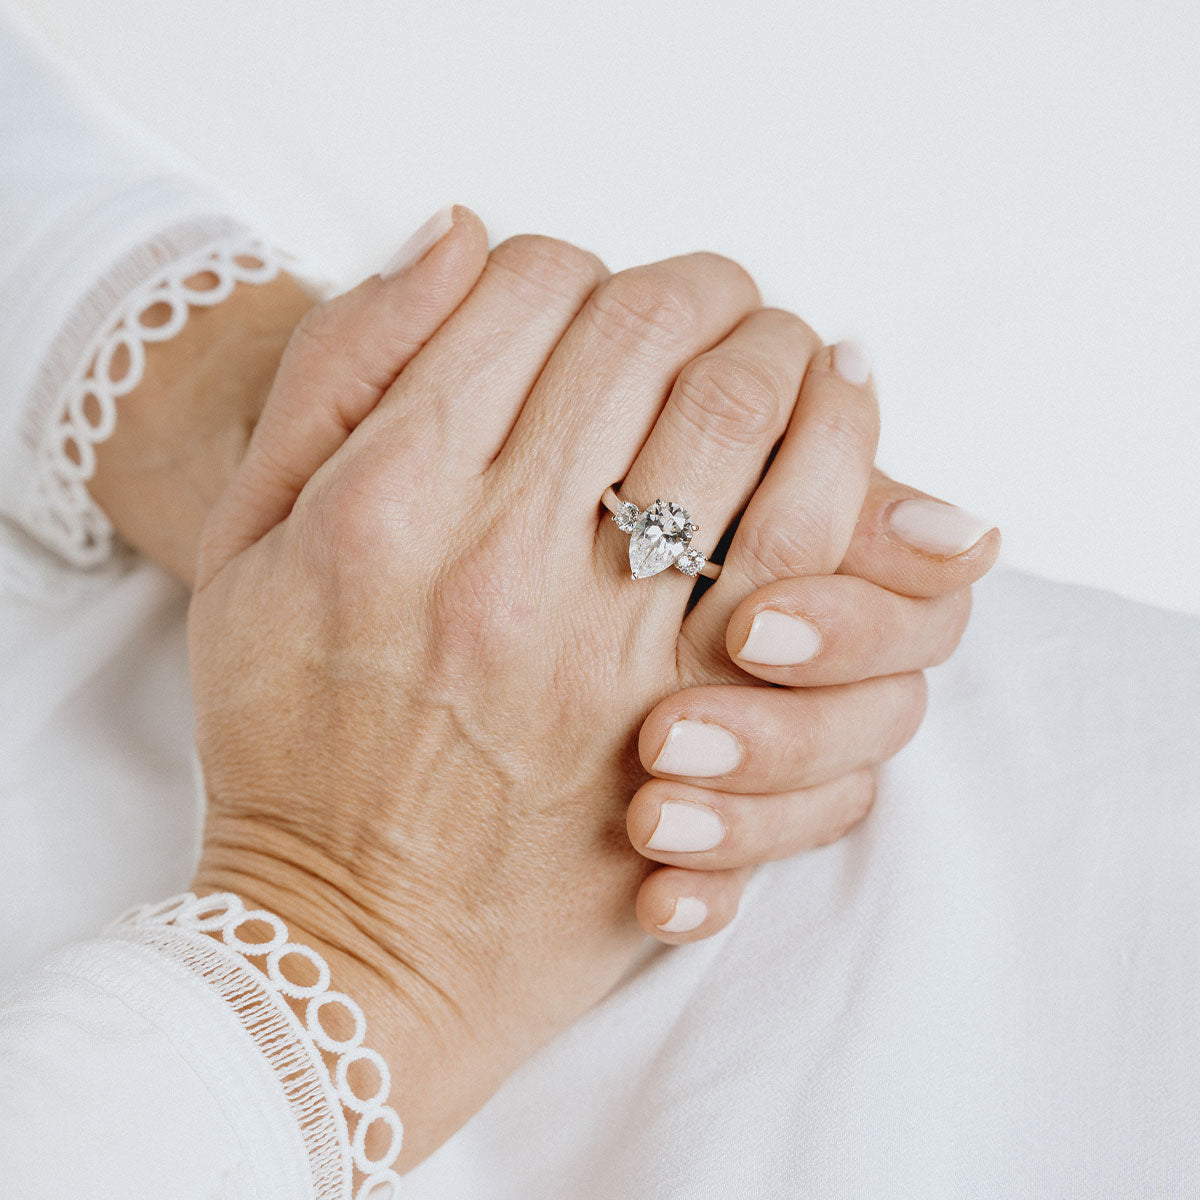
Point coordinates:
[[987, 991], [999, 197]]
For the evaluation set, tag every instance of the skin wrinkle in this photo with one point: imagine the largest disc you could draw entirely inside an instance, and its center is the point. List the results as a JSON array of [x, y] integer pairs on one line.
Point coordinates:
[[343, 882], [643, 310], [442, 707], [729, 401], [539, 265], [249, 882]]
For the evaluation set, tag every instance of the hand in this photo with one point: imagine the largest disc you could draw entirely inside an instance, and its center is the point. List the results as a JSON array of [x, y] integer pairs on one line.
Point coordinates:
[[184, 430], [445, 572], [904, 609]]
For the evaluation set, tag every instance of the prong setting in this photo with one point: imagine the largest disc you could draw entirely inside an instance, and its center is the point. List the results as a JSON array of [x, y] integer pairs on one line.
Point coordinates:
[[659, 537]]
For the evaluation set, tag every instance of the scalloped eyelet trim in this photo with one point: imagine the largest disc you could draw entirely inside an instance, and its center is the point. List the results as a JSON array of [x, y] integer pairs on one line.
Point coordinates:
[[211, 925], [61, 511]]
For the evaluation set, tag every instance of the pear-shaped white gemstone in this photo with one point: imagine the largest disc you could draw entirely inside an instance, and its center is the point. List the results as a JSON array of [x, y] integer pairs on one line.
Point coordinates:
[[659, 537]]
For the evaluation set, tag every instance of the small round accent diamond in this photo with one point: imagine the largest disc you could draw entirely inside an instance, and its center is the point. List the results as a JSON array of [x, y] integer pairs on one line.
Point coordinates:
[[625, 518], [691, 562]]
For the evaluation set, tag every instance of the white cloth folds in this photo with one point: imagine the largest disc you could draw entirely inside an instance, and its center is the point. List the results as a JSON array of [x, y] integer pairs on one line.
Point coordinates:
[[124, 1076]]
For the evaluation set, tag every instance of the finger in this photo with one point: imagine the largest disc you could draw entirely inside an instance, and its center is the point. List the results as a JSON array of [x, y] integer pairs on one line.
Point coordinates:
[[756, 739], [344, 355], [597, 399], [477, 370], [679, 906], [831, 629], [802, 517], [914, 544], [711, 442], [705, 830]]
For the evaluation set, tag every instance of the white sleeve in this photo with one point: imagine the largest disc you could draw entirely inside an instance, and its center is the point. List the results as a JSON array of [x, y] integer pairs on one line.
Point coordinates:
[[99, 224], [159, 1061]]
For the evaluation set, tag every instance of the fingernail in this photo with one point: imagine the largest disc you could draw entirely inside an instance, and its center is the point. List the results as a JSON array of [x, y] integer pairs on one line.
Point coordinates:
[[698, 749], [852, 362], [420, 243], [937, 528], [778, 639], [685, 828], [690, 913]]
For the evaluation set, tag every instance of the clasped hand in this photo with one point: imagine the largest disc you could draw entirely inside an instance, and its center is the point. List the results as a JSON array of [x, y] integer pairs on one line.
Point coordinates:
[[443, 732]]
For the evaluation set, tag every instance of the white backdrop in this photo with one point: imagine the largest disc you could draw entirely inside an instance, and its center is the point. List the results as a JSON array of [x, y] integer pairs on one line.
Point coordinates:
[[1000, 198]]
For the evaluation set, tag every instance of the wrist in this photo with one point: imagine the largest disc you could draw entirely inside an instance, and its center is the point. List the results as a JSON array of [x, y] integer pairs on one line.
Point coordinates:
[[442, 1067], [183, 430], [311, 1035]]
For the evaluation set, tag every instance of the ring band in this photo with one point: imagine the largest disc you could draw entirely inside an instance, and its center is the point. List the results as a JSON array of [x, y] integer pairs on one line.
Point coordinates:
[[659, 538]]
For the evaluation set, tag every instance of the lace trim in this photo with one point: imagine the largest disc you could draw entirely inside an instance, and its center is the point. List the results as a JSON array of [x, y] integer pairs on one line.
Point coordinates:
[[61, 511], [202, 935]]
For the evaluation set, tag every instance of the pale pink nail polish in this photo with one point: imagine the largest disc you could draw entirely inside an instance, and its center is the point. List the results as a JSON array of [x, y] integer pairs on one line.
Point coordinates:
[[420, 243], [698, 749], [778, 639], [690, 913], [686, 828], [852, 362], [937, 528]]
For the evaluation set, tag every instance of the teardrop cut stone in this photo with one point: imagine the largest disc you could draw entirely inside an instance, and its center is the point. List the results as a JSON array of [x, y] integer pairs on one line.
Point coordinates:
[[658, 539]]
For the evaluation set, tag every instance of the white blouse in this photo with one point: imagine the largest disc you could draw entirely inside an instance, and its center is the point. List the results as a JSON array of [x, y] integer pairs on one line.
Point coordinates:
[[989, 989]]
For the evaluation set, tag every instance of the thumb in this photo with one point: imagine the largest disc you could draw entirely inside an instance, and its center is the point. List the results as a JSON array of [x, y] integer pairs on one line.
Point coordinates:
[[344, 355]]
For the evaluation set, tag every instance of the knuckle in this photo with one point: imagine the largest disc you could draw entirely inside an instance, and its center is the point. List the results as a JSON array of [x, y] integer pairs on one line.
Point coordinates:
[[775, 548], [319, 331], [806, 739], [732, 401], [536, 265], [850, 430], [339, 339], [647, 306], [856, 801], [353, 507], [804, 337], [959, 615], [862, 793], [731, 272], [876, 629], [344, 513], [910, 710]]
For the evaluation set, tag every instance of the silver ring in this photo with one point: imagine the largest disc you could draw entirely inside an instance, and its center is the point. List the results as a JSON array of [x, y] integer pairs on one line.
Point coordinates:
[[659, 538]]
